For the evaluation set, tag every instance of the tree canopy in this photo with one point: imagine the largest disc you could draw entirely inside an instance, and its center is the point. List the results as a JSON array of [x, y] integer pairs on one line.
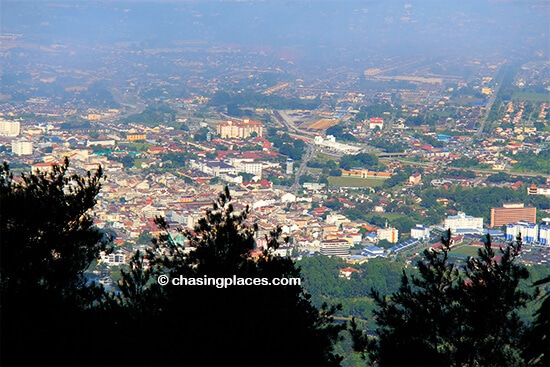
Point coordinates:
[[47, 241], [450, 315], [244, 325]]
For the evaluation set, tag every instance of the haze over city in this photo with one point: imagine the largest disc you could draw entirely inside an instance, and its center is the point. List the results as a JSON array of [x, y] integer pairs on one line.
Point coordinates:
[[363, 131]]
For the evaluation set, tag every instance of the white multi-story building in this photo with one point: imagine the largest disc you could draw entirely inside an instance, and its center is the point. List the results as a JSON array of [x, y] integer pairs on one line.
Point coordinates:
[[289, 166], [254, 168], [336, 219], [213, 168], [544, 231], [529, 231], [463, 223], [21, 147], [544, 234], [419, 232], [239, 129], [335, 248], [9, 128], [388, 233]]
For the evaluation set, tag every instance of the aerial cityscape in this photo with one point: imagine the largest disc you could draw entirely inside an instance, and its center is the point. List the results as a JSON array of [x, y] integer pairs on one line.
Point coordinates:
[[364, 130]]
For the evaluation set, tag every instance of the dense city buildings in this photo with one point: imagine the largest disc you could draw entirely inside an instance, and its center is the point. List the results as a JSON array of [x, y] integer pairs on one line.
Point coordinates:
[[328, 148]]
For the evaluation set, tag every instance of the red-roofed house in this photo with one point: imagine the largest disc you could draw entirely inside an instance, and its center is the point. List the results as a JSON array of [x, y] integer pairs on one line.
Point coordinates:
[[346, 272]]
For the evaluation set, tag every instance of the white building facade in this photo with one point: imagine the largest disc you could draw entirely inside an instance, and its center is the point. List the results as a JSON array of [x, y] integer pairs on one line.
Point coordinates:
[[529, 231], [463, 223], [389, 234], [419, 232], [21, 147], [9, 128]]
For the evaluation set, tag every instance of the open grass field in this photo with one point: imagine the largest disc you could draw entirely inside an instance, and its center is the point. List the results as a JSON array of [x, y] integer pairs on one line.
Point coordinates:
[[388, 216], [464, 251], [531, 97], [354, 182]]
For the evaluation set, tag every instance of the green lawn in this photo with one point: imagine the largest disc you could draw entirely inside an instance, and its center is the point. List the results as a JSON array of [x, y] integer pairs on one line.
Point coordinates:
[[465, 250], [388, 216], [138, 145], [354, 182], [531, 97]]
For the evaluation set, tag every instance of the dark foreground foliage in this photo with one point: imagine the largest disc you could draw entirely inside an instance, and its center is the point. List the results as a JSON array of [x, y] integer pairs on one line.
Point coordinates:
[[47, 241], [265, 325], [50, 316], [457, 316]]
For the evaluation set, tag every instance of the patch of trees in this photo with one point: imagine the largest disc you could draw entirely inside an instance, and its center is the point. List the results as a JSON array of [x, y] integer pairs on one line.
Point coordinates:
[[349, 161], [464, 162], [152, 115], [377, 110], [322, 281], [432, 141], [127, 161], [459, 173], [530, 162], [236, 101], [97, 95], [338, 131], [399, 177], [77, 125], [478, 201], [388, 146], [292, 148], [499, 177], [201, 134], [329, 168], [280, 181]]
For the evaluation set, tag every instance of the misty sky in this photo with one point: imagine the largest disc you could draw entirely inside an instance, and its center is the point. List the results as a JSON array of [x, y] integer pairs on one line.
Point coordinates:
[[432, 27]]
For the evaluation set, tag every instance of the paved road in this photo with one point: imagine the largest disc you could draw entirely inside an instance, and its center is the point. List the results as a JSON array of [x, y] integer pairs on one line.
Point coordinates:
[[310, 153], [488, 107]]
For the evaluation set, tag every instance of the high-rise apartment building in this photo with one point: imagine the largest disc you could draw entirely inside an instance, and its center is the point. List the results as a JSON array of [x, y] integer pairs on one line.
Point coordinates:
[[388, 233], [21, 147], [239, 129], [512, 213], [529, 231], [9, 128]]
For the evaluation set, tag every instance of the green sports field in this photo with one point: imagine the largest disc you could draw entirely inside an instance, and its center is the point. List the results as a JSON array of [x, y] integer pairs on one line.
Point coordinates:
[[354, 182]]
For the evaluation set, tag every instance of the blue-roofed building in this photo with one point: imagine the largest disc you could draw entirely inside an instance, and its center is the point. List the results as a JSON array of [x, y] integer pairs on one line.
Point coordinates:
[[404, 245], [372, 237], [373, 251], [494, 233], [442, 137]]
